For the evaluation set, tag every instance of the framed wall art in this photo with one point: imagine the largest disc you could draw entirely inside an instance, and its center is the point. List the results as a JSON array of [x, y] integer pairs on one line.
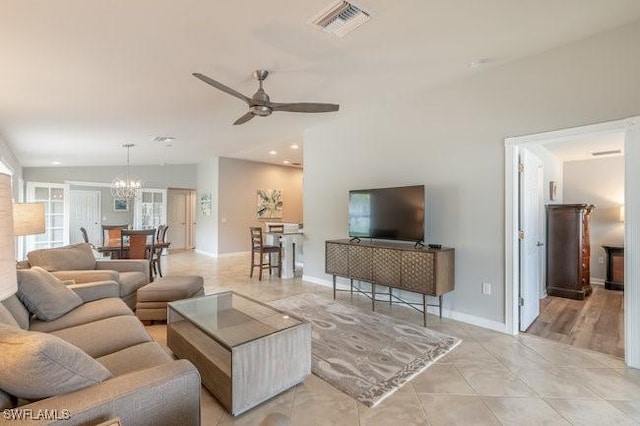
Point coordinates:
[[269, 204]]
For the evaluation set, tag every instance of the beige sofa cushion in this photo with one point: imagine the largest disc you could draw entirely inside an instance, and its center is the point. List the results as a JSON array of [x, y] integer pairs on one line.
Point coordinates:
[[44, 295], [38, 365], [18, 311], [100, 338], [134, 358], [83, 314], [7, 401], [73, 257], [130, 282], [7, 318]]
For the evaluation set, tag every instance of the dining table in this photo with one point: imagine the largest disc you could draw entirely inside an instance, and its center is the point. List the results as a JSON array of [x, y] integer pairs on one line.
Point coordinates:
[[112, 247]]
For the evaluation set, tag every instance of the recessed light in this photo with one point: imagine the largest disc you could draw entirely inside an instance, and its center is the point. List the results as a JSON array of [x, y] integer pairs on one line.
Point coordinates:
[[273, 152], [56, 163], [478, 63], [286, 162], [294, 146]]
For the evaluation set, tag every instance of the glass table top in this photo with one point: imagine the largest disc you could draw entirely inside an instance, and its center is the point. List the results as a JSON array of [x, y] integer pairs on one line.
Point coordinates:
[[230, 318]]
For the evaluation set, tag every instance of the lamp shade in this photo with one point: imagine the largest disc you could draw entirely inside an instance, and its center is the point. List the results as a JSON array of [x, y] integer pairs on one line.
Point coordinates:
[[8, 280], [28, 218]]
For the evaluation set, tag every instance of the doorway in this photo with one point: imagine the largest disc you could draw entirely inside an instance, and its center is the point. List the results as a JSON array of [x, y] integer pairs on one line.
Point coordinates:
[[181, 206], [513, 149], [84, 212]]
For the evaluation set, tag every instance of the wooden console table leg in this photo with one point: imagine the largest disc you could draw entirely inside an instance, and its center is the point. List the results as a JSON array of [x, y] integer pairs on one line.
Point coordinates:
[[373, 297], [334, 287], [424, 310], [390, 295], [440, 297], [351, 281]]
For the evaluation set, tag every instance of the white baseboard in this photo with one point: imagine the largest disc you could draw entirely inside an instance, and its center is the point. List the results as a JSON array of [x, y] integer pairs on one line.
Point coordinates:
[[596, 281], [316, 280], [446, 313], [205, 253]]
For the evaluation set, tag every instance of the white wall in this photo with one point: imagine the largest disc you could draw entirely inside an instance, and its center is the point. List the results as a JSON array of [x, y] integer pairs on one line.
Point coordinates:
[[452, 140], [158, 177], [238, 182], [552, 171], [598, 181], [10, 160], [206, 238]]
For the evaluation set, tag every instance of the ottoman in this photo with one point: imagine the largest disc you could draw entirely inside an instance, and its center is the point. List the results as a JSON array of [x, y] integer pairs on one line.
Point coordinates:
[[153, 297]]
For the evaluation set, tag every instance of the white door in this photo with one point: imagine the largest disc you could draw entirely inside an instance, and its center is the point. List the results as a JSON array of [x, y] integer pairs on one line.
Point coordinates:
[[177, 218], [150, 209], [84, 211], [531, 238], [55, 197]]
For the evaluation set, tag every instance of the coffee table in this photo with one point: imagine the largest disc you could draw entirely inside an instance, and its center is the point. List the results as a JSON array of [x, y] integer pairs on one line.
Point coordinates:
[[246, 351]]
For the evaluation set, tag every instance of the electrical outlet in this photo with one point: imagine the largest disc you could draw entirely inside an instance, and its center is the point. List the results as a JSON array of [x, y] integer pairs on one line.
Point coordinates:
[[486, 288], [601, 259]]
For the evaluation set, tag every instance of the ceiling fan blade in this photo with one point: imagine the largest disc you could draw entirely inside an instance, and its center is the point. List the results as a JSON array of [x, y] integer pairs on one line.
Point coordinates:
[[222, 87], [248, 116], [305, 107]]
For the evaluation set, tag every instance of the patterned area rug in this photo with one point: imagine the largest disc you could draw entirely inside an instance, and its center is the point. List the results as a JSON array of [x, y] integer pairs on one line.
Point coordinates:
[[366, 355]]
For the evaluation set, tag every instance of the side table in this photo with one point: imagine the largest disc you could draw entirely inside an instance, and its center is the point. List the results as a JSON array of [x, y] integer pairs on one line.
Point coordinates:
[[615, 267]]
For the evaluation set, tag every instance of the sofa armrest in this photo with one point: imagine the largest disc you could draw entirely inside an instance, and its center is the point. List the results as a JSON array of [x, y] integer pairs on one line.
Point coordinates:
[[89, 292], [167, 394], [123, 265], [87, 276]]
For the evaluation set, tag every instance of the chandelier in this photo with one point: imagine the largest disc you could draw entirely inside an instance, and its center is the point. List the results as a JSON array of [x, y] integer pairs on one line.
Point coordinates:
[[126, 187]]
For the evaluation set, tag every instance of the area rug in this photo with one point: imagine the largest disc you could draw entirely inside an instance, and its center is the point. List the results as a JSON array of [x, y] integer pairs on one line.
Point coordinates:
[[365, 354]]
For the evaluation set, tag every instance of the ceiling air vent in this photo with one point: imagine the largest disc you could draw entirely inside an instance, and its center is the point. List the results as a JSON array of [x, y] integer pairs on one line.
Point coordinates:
[[613, 151], [164, 139], [340, 18]]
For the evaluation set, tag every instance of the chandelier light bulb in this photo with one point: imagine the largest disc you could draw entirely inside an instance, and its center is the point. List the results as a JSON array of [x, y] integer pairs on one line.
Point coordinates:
[[126, 187]]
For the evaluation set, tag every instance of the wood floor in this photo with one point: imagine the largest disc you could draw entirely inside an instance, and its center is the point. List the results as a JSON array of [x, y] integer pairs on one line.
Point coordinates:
[[595, 323]]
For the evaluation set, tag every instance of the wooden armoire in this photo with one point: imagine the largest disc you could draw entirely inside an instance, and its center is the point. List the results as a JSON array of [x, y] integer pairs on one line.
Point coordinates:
[[568, 250]]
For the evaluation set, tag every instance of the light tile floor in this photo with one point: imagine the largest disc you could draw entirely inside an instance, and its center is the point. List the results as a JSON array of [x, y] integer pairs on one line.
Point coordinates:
[[490, 378]]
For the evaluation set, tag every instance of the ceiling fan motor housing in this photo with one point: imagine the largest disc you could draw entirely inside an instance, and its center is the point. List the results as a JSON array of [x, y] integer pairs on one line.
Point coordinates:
[[261, 110]]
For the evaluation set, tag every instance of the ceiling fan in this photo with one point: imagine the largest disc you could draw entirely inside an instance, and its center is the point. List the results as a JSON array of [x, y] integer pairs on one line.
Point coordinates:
[[260, 104]]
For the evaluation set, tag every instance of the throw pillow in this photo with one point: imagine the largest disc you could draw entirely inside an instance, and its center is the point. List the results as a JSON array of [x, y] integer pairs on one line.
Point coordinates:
[[44, 295], [38, 365], [68, 258]]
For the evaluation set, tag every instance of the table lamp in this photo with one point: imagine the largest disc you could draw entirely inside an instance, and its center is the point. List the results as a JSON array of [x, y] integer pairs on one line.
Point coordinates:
[[28, 219], [8, 279]]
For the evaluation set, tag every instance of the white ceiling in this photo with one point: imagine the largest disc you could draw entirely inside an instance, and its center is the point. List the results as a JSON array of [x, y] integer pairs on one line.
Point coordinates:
[[78, 78], [582, 148]]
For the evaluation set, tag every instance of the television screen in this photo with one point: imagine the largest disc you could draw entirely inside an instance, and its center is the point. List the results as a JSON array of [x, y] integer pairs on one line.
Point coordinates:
[[387, 213]]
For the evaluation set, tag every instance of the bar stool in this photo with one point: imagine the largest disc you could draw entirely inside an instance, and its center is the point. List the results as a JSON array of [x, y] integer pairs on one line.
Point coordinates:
[[258, 252]]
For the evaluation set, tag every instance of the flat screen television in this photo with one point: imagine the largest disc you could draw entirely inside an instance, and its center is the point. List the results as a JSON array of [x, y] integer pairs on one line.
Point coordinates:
[[387, 213]]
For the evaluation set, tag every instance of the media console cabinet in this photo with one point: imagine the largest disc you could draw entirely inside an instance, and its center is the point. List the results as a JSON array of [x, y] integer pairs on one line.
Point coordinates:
[[422, 270]]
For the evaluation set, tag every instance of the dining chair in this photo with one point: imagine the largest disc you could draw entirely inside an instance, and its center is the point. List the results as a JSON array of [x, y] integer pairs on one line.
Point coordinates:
[[112, 232], [138, 244], [258, 252], [161, 236], [85, 236]]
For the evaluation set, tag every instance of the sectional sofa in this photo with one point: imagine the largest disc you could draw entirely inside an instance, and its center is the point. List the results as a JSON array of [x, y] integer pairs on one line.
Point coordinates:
[[89, 365], [77, 263]]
